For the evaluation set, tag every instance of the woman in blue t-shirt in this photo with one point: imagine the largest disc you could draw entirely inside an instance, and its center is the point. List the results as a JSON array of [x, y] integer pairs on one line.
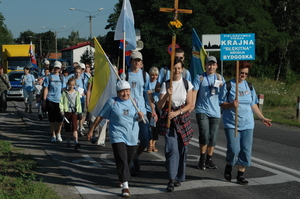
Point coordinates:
[[123, 131], [239, 148]]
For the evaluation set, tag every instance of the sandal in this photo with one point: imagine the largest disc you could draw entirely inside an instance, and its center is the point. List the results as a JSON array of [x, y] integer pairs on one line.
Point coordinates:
[[150, 149], [154, 149]]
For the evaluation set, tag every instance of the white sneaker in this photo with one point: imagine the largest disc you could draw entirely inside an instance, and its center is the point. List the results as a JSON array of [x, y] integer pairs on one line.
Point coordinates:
[[53, 139], [59, 139]]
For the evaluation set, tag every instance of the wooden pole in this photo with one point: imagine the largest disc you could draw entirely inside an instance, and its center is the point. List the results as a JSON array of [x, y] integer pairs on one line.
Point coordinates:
[[171, 75], [237, 75]]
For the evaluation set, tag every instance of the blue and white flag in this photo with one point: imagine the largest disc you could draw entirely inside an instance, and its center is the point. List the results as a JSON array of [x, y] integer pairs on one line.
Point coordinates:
[[125, 26]]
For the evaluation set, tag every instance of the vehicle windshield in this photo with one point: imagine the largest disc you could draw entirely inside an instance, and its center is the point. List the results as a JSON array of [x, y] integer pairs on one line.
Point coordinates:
[[14, 76]]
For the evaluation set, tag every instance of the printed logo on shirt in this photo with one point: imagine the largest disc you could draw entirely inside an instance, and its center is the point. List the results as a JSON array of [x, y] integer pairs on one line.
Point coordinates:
[[125, 112], [133, 85]]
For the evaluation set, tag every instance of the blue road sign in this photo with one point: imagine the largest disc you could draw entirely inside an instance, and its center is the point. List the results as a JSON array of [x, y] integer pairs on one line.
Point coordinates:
[[237, 46]]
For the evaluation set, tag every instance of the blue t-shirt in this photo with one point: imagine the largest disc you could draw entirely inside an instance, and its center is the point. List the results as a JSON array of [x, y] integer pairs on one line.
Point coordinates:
[[152, 88], [247, 99], [28, 83], [54, 84], [164, 75], [123, 124], [207, 102], [138, 87]]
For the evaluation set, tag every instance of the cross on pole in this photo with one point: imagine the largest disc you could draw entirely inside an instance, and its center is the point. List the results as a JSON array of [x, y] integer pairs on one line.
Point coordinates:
[[175, 10]]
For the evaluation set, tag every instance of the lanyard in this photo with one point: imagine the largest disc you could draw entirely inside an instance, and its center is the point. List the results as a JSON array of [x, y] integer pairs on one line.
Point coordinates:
[[210, 85]]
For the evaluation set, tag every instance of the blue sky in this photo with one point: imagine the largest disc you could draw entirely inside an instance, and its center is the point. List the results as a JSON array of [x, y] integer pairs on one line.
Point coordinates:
[[23, 15]]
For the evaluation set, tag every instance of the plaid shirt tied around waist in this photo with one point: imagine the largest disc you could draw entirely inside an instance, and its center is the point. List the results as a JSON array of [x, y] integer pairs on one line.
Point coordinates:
[[181, 124]]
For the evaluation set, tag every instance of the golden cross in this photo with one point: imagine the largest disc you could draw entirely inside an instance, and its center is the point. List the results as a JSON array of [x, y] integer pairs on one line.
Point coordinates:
[[176, 11]]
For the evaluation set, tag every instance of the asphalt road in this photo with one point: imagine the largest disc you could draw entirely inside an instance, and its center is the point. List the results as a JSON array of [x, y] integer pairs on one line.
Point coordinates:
[[90, 172]]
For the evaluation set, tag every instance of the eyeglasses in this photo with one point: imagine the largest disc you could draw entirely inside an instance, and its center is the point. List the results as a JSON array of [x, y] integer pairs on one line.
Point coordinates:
[[243, 73], [181, 58], [137, 60]]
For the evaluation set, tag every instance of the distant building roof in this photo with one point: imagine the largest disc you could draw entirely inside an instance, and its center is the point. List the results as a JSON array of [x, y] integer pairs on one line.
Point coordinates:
[[79, 45]]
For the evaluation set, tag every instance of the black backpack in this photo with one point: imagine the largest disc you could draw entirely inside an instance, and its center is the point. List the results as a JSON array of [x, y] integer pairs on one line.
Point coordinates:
[[228, 87], [186, 84]]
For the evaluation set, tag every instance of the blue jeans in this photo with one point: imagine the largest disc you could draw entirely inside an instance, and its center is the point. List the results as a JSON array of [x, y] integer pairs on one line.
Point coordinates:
[[239, 149], [176, 155], [208, 129]]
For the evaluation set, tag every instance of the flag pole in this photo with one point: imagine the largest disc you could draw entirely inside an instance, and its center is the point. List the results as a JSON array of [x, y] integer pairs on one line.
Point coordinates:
[[119, 78], [124, 49]]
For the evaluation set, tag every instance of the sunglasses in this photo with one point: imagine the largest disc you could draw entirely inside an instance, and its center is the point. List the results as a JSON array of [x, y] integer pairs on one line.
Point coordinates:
[[243, 73], [137, 60], [181, 58]]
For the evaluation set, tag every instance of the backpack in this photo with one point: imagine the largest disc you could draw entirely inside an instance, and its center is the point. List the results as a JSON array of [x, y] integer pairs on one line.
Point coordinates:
[[228, 87], [219, 77], [186, 84]]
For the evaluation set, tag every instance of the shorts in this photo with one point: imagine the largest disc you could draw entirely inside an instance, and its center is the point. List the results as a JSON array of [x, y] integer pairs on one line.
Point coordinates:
[[208, 129]]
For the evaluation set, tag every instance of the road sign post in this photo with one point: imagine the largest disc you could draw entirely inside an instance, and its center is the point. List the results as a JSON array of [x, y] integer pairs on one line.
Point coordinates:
[[236, 47]]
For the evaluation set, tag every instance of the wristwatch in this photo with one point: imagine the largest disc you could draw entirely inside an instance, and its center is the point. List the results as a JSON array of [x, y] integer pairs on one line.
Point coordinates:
[[181, 113]]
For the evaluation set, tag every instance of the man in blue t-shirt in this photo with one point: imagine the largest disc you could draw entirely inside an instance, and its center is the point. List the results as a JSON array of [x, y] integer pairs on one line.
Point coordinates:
[[205, 96], [139, 86]]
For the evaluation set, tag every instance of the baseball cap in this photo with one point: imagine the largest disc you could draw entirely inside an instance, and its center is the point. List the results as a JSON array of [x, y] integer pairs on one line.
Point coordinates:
[[57, 64], [211, 59], [46, 62], [121, 85], [136, 55], [82, 65]]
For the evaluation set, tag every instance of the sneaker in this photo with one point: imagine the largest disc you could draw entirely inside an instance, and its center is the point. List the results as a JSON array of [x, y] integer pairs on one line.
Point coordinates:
[[170, 186], [136, 163], [76, 146], [40, 117], [59, 139], [177, 183], [241, 180], [201, 164], [210, 165], [26, 110], [30, 111], [53, 139]]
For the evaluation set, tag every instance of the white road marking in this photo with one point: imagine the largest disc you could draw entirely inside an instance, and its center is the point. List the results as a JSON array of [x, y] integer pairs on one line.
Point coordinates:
[[278, 177], [87, 158]]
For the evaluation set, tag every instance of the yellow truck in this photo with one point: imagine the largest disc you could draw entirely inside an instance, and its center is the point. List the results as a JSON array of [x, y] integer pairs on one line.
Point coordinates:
[[16, 56]]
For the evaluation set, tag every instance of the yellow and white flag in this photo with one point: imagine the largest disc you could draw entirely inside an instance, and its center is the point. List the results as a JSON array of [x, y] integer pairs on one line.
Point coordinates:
[[104, 82]]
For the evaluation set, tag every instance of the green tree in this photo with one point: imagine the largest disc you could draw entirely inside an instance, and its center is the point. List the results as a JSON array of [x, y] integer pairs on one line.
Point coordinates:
[[6, 36], [87, 56]]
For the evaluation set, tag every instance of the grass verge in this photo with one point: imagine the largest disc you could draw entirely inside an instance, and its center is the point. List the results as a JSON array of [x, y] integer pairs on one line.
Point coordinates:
[[17, 176], [280, 100]]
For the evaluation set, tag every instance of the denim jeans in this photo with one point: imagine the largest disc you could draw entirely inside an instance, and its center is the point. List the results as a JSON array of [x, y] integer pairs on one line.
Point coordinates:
[[176, 155], [239, 149]]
